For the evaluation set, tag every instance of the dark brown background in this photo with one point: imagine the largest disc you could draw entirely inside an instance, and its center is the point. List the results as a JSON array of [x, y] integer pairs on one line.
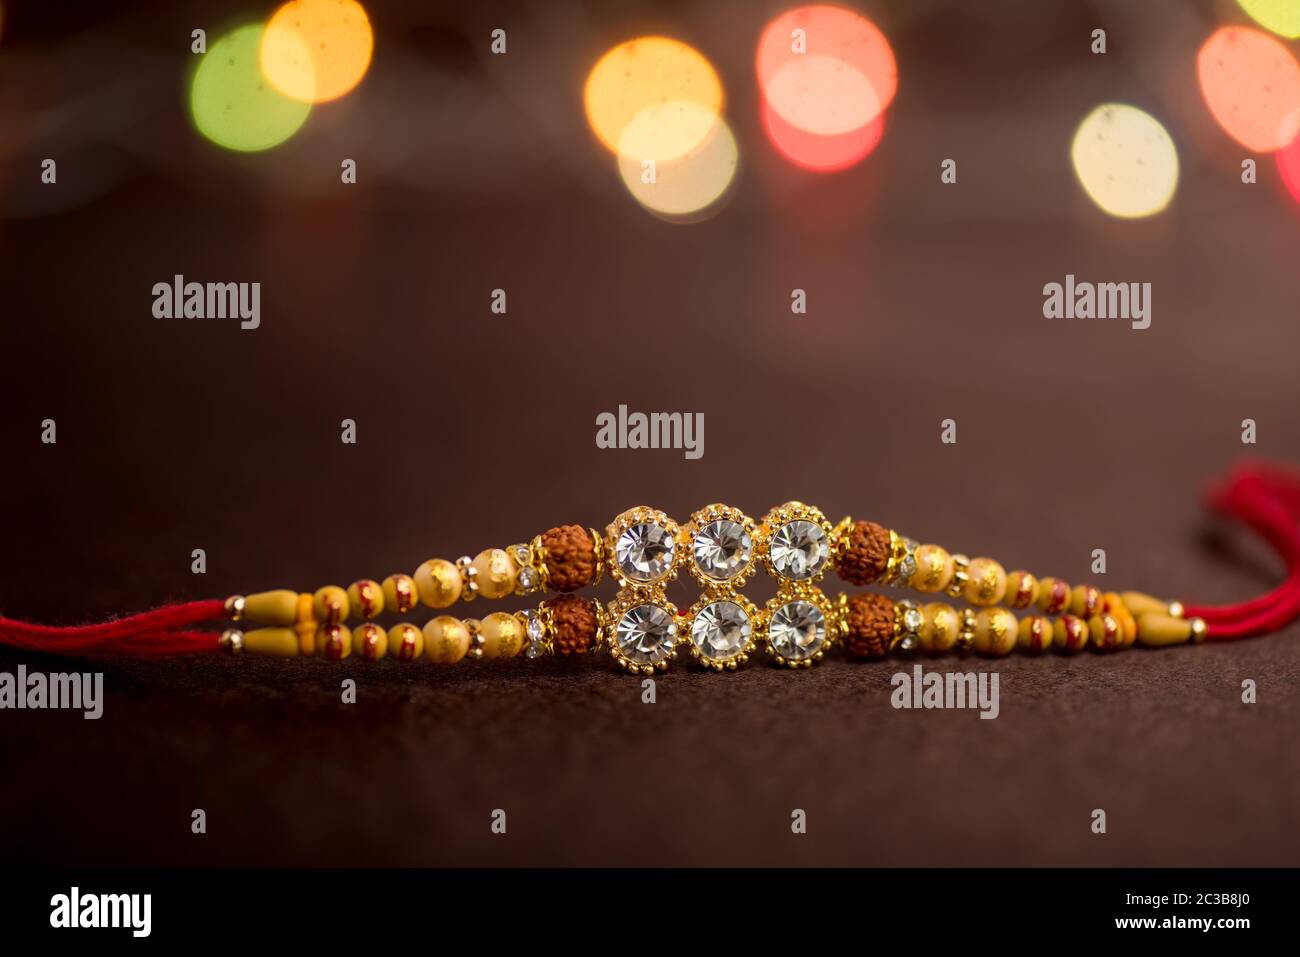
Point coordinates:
[[925, 303]]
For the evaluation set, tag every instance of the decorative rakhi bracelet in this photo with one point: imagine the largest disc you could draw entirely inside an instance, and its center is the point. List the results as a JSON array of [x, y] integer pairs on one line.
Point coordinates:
[[720, 548]]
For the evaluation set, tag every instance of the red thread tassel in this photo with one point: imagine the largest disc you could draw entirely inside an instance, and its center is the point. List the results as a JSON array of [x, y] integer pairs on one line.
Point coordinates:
[[163, 631]]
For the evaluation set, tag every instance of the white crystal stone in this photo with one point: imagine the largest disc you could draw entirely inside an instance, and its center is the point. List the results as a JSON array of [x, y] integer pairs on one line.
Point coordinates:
[[645, 552], [799, 550], [722, 549], [645, 634], [721, 630], [536, 631], [797, 630], [912, 619], [527, 578]]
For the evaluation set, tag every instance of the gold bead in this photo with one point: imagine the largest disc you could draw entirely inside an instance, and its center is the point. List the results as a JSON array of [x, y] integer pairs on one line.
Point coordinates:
[[1022, 590], [335, 642], [501, 635], [468, 578], [446, 640], [235, 607], [1176, 609], [1070, 634], [232, 641], [960, 575], [1199, 629], [966, 634], [987, 583], [1085, 601], [1106, 632], [366, 598], [496, 572], [1035, 634], [370, 641], [331, 605], [996, 631], [438, 582], [400, 594], [405, 642], [1053, 596], [934, 569]]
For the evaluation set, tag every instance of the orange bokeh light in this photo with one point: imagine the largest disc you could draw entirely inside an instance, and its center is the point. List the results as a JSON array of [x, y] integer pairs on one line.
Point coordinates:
[[826, 75], [317, 50], [1251, 83]]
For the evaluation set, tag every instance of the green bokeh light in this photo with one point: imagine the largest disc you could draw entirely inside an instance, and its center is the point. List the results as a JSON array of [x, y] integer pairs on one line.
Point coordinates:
[[231, 101]]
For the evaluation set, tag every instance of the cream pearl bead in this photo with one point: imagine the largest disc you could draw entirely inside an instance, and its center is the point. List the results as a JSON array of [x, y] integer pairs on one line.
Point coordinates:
[[986, 582], [496, 572], [939, 629], [438, 582], [934, 569], [501, 635], [446, 640], [996, 631]]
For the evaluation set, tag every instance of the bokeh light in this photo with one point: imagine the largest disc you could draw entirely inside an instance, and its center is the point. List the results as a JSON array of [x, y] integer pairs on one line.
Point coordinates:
[[666, 77], [1125, 161], [685, 188], [826, 75], [822, 154], [1251, 83], [317, 50], [232, 103], [1278, 16], [656, 104], [1288, 167]]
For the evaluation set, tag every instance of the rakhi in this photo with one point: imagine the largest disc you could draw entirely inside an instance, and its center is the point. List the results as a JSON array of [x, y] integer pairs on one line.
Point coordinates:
[[720, 548]]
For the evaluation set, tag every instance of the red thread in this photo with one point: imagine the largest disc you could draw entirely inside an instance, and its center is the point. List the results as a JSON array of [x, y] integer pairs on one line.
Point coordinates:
[[1266, 498], [163, 631]]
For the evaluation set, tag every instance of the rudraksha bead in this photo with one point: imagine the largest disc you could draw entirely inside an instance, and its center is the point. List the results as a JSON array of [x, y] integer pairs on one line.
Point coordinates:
[[570, 558], [867, 556], [574, 624], [870, 625]]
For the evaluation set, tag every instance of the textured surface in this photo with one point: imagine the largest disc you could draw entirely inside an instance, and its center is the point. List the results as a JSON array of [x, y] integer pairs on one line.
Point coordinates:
[[867, 556], [924, 304], [870, 625]]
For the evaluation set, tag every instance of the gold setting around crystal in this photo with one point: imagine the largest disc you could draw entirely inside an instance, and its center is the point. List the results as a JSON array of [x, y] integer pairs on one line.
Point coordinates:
[[642, 515], [802, 591], [775, 520], [719, 594], [706, 516], [627, 599], [529, 555]]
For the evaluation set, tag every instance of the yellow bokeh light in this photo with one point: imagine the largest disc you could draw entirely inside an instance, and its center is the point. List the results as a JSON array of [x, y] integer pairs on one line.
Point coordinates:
[[686, 187], [1125, 161], [667, 87], [317, 50], [1278, 16]]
